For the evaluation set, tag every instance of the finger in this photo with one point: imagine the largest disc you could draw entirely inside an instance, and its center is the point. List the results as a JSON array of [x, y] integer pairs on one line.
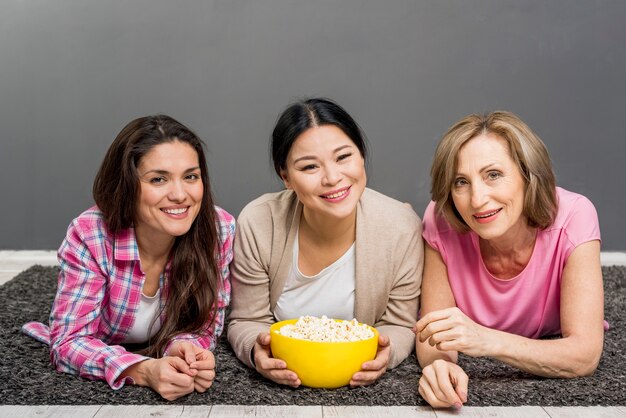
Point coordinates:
[[365, 378], [374, 365], [433, 316], [201, 385], [181, 367], [174, 392], [203, 355], [383, 341], [188, 351], [427, 393], [263, 338], [201, 388], [430, 376], [435, 328], [461, 384], [382, 356], [284, 377], [203, 365], [181, 381], [447, 341], [269, 363], [446, 390], [205, 375]]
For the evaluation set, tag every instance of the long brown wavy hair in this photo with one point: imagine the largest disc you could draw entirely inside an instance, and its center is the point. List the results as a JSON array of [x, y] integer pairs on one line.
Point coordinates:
[[193, 275]]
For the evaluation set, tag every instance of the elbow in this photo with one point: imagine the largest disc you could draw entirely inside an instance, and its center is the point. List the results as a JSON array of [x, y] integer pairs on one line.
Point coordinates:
[[589, 359], [584, 365], [582, 369]]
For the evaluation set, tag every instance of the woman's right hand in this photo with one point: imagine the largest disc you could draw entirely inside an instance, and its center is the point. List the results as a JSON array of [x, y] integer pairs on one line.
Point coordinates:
[[443, 384], [269, 367], [169, 376]]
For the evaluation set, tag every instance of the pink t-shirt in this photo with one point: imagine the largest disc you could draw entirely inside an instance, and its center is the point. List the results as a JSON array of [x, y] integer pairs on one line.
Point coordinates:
[[528, 304]]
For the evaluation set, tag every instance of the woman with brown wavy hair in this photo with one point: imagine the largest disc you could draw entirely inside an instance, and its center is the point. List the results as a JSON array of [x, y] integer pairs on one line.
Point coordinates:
[[147, 267]]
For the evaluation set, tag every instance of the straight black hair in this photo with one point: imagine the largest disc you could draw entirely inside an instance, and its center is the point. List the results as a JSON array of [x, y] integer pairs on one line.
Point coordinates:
[[308, 113]]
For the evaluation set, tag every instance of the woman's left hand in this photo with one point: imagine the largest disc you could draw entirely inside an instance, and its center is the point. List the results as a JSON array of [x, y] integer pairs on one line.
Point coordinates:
[[201, 362], [451, 330], [372, 370]]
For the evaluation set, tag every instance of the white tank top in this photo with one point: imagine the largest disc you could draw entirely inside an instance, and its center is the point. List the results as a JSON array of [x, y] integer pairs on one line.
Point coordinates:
[[330, 292], [147, 311]]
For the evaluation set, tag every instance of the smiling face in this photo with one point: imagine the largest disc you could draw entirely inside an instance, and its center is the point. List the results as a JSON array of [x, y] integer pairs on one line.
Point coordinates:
[[326, 171], [488, 190], [170, 191]]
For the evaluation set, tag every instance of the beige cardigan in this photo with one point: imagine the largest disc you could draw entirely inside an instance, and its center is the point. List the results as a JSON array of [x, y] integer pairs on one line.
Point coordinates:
[[389, 261]]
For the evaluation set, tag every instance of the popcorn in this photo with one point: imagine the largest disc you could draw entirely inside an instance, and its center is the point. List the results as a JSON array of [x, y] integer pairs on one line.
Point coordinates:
[[325, 329]]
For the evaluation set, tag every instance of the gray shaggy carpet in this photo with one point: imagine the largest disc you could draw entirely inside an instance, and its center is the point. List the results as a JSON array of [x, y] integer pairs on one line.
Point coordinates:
[[27, 378]]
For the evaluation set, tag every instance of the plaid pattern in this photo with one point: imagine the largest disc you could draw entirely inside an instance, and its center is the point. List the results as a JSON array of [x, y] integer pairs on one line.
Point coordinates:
[[98, 294]]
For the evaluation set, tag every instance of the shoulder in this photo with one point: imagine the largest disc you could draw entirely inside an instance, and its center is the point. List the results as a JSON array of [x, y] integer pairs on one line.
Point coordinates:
[[434, 221], [226, 223], [89, 224], [438, 233], [573, 208], [387, 212], [576, 217], [89, 239], [268, 207]]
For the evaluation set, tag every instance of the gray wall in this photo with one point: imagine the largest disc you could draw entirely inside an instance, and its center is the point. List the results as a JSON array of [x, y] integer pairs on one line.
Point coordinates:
[[73, 72]]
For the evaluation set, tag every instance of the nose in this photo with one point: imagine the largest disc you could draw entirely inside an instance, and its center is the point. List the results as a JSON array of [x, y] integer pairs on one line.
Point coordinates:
[[176, 192], [479, 194], [332, 175]]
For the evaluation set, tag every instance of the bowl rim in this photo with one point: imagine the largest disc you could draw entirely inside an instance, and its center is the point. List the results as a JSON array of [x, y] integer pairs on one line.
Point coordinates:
[[275, 327]]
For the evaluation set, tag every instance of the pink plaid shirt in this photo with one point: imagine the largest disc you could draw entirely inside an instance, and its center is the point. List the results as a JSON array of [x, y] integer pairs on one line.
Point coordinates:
[[98, 295]]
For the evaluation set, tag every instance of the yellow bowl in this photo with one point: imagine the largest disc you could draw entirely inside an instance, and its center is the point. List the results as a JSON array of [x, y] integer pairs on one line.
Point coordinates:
[[322, 364]]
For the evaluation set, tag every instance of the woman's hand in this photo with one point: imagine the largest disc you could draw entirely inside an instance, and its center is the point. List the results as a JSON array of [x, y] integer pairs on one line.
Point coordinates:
[[170, 377], [269, 367], [443, 384], [201, 363], [451, 330], [372, 370]]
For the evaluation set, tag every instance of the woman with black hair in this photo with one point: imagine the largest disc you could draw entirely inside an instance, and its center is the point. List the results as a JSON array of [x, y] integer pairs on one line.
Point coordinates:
[[148, 266], [325, 246]]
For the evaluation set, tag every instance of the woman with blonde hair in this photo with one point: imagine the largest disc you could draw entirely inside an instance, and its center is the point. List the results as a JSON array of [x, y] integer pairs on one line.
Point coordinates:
[[509, 258]]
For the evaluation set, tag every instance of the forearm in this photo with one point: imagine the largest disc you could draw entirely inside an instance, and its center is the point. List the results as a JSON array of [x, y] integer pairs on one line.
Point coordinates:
[[242, 336], [427, 354], [93, 359], [562, 357], [137, 372], [402, 342]]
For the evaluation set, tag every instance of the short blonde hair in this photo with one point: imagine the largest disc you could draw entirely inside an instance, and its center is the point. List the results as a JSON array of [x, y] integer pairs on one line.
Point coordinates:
[[527, 151]]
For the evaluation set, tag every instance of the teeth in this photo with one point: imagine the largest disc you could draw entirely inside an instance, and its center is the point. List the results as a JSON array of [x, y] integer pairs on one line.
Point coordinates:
[[335, 195], [489, 214], [175, 211]]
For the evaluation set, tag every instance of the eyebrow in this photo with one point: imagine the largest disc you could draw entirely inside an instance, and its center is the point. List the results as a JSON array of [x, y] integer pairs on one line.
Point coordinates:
[[483, 169], [312, 157], [162, 172]]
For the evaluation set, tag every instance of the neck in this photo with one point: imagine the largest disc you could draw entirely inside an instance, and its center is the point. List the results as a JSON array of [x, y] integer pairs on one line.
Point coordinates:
[[328, 230], [515, 242], [153, 249]]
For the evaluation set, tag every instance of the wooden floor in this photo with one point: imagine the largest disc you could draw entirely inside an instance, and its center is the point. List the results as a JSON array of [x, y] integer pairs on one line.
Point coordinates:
[[109, 411], [13, 262]]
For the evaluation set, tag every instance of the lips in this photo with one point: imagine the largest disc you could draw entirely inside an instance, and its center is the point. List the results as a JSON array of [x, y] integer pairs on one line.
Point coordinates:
[[176, 211], [336, 195], [486, 216]]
